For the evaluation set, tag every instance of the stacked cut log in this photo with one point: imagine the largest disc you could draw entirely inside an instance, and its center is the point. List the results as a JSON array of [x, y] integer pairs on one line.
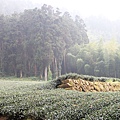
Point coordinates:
[[87, 86]]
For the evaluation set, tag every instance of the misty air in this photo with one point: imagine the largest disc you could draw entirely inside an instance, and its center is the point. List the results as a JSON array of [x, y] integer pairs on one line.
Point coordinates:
[[59, 60]]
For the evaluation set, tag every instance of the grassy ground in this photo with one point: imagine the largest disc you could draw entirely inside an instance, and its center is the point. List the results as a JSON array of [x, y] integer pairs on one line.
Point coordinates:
[[35, 100]]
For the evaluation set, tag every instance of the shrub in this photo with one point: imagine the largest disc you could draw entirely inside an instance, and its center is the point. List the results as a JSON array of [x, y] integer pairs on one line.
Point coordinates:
[[23, 100], [86, 77]]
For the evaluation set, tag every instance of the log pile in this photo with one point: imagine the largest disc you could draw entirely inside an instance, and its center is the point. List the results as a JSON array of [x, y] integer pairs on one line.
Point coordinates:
[[87, 86]]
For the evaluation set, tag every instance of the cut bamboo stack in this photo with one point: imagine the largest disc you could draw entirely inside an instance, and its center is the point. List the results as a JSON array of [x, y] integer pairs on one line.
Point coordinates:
[[87, 86]]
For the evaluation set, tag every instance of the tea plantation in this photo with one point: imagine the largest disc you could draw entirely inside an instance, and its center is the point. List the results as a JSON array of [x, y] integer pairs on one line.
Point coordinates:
[[34, 100]]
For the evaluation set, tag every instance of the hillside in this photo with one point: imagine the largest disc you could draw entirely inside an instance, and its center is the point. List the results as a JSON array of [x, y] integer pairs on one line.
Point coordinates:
[[102, 28]]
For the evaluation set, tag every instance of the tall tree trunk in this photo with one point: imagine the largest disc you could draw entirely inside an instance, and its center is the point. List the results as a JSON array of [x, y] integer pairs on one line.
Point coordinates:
[[56, 69], [41, 74], [25, 62], [29, 68], [15, 72], [64, 62], [2, 56], [45, 73], [41, 77], [21, 74], [59, 68], [35, 70]]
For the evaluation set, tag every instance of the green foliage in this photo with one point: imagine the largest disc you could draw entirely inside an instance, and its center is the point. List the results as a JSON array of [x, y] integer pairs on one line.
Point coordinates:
[[96, 72], [35, 39], [99, 58], [21, 100], [13, 78], [80, 64], [86, 77], [87, 69], [70, 62]]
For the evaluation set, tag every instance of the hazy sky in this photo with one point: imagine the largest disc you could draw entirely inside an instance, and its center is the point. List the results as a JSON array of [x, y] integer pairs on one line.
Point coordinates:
[[108, 8]]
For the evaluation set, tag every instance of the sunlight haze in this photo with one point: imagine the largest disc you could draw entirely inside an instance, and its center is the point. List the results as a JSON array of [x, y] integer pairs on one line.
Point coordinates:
[[85, 8]]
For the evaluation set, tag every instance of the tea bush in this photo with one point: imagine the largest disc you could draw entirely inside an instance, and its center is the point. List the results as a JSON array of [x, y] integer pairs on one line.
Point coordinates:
[[87, 77], [20, 100]]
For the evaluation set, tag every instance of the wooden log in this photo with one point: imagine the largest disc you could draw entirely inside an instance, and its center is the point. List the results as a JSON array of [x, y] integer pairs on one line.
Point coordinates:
[[67, 85]]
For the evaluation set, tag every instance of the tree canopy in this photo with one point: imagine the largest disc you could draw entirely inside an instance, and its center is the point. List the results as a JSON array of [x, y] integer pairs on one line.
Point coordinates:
[[35, 42], [97, 58]]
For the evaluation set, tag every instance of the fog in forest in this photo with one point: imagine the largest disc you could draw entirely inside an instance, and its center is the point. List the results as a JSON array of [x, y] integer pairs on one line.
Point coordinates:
[[49, 38], [59, 60]]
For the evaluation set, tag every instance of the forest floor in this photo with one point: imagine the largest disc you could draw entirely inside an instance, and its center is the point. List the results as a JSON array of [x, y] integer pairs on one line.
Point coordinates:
[[33, 100]]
